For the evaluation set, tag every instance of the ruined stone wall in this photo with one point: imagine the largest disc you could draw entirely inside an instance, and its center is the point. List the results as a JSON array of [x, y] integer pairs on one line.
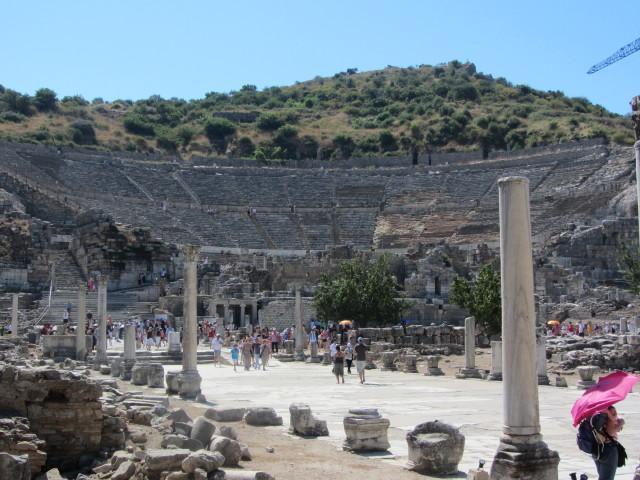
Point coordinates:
[[63, 409]]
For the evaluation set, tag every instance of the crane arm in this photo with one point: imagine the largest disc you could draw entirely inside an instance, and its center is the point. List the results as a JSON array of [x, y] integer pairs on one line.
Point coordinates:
[[619, 55]]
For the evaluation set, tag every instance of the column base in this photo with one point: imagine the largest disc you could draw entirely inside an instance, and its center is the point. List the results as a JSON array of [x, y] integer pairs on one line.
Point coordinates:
[[433, 372], [314, 359], [127, 368], [469, 373], [189, 384], [171, 379], [584, 384], [524, 457], [543, 380], [495, 376], [299, 356]]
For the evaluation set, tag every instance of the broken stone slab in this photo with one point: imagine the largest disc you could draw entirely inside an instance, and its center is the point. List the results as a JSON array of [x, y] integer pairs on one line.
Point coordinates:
[[157, 460], [230, 450], [119, 457], [366, 431], [432, 366], [303, 423], [140, 374], [179, 415], [203, 459], [183, 428], [229, 432], [262, 417], [225, 414], [246, 475], [14, 466], [53, 474], [202, 430], [125, 471], [435, 448]]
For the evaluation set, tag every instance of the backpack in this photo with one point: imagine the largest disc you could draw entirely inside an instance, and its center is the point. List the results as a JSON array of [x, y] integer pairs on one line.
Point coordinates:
[[587, 438]]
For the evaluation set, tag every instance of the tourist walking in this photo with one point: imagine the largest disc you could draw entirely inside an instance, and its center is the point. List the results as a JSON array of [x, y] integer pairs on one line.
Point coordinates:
[[361, 358], [265, 353], [338, 365], [246, 353], [348, 356], [275, 340], [608, 456], [257, 347], [216, 346], [235, 356]]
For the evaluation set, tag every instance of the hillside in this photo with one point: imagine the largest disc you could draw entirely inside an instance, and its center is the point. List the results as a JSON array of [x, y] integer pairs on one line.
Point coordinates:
[[395, 111]]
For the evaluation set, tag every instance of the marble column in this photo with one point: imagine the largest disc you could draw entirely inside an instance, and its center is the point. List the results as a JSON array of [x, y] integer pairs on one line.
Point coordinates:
[[541, 361], [188, 379], [496, 361], [14, 316], [300, 333], [129, 351], [81, 336], [469, 370], [225, 314], [521, 453], [101, 346], [254, 313], [243, 321]]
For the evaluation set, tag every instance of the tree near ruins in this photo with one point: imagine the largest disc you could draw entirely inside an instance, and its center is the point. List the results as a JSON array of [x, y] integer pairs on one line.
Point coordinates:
[[218, 131], [481, 298], [630, 262], [362, 291]]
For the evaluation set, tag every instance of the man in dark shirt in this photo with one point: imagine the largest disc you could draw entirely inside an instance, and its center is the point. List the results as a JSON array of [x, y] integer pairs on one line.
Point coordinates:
[[361, 358]]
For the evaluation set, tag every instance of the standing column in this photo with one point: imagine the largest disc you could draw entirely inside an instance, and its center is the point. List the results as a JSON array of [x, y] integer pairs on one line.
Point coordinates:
[[636, 148], [541, 363], [522, 453], [81, 330], [188, 379], [129, 351], [254, 313], [243, 322], [14, 315], [469, 370], [300, 333], [496, 361], [101, 347]]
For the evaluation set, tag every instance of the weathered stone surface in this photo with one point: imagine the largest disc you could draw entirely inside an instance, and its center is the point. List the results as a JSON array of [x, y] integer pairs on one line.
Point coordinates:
[[177, 476], [262, 417], [204, 459], [174, 440], [435, 448], [14, 467], [155, 375], [225, 414], [183, 428], [304, 423], [179, 415], [202, 430], [140, 374], [157, 461], [366, 431], [125, 471], [246, 475], [228, 431], [246, 453], [230, 450], [119, 457]]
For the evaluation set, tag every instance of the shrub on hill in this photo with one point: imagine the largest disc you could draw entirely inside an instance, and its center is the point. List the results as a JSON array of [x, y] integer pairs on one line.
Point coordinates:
[[82, 133], [218, 131], [45, 100], [134, 123]]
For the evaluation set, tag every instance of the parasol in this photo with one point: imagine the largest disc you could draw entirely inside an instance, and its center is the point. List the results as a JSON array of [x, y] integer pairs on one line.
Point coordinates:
[[553, 322], [610, 389], [346, 323]]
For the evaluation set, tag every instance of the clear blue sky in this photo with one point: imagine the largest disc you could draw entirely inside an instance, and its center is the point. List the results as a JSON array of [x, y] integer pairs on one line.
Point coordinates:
[[180, 48]]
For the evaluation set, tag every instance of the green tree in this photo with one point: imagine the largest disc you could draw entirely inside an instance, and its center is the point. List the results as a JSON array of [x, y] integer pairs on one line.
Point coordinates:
[[218, 131], [45, 100], [362, 291], [345, 145], [387, 141], [482, 298], [82, 132], [631, 269], [185, 134], [269, 122]]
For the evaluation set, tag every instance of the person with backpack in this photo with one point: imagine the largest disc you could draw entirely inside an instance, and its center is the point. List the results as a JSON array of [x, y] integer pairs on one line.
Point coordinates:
[[598, 436]]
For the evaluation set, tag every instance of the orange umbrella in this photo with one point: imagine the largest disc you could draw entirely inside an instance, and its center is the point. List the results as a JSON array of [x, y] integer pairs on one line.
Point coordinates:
[[346, 322], [553, 322]]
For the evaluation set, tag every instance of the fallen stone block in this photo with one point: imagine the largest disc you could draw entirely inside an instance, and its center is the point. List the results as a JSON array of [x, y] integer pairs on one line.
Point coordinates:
[[246, 475], [125, 471], [202, 430], [230, 450], [203, 459], [229, 432], [366, 431], [262, 417], [14, 466], [157, 461], [225, 414], [435, 448], [304, 423]]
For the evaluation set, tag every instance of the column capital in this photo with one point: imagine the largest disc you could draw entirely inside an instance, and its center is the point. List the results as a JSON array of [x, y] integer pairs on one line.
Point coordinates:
[[191, 252]]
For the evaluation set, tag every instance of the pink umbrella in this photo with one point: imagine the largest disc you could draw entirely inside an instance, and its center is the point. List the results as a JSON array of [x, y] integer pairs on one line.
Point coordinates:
[[610, 389]]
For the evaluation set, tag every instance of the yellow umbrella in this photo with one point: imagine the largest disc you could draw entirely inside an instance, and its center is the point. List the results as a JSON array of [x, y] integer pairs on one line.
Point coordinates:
[[345, 322], [553, 322]]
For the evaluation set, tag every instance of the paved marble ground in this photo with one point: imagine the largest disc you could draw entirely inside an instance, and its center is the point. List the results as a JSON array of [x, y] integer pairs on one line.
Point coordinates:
[[408, 399]]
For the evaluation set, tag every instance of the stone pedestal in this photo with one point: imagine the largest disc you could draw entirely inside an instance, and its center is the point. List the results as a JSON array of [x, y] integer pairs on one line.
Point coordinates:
[[299, 332], [175, 347], [188, 379], [116, 367], [435, 448], [388, 364], [521, 454], [171, 379], [303, 422], [366, 431], [432, 366], [586, 376], [411, 364], [541, 361], [289, 347], [14, 316], [129, 351], [81, 344], [469, 370], [140, 374], [155, 375], [496, 361]]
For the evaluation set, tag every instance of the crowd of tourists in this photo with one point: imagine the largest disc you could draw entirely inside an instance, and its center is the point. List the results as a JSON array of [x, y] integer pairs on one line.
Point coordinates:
[[580, 328]]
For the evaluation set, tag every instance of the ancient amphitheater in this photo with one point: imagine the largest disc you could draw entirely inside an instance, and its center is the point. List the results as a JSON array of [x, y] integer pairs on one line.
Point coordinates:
[[242, 245]]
